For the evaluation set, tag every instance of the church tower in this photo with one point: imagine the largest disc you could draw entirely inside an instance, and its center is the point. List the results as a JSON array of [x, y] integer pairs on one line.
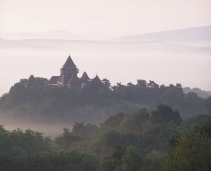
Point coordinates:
[[68, 69]]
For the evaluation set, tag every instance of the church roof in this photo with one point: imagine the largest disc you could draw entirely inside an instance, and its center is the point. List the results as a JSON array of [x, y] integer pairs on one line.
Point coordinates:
[[31, 81], [69, 66], [84, 77], [74, 79], [97, 81], [59, 78], [69, 62], [53, 80]]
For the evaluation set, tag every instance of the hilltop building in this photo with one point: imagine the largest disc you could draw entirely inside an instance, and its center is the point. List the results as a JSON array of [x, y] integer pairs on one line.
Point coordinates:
[[68, 78]]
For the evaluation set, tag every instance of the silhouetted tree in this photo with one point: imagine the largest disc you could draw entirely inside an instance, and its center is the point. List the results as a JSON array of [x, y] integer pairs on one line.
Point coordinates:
[[207, 103], [164, 113], [142, 83]]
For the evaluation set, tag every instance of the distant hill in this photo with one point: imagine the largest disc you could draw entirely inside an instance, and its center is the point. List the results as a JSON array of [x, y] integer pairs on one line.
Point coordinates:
[[51, 35], [45, 35], [209, 92], [199, 34], [201, 93], [141, 47]]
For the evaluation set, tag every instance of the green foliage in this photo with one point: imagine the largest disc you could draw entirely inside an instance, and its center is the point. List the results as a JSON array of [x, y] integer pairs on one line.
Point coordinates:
[[67, 138], [207, 103], [192, 101], [133, 140], [88, 131], [60, 161], [173, 96], [134, 122], [111, 137], [142, 83], [29, 150], [109, 163], [78, 127], [68, 104], [114, 120], [194, 121], [131, 160], [155, 136], [201, 93], [165, 114], [207, 128], [123, 142], [24, 140], [41, 81], [190, 151]]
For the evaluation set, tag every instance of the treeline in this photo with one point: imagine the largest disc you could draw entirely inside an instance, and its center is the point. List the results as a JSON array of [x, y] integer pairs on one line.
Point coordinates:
[[201, 93], [142, 140], [30, 150], [92, 104]]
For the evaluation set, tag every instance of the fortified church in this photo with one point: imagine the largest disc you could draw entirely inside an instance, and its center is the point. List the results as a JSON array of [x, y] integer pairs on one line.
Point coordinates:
[[68, 78]]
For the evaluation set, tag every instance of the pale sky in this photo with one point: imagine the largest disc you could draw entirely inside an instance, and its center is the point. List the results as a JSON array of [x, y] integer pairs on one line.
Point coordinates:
[[102, 17]]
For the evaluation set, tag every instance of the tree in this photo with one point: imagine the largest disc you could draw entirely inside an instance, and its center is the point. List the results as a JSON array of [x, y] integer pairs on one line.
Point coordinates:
[[207, 128], [142, 83], [41, 81], [207, 103], [78, 127], [131, 160], [115, 159], [173, 96], [128, 94], [67, 138], [178, 85], [119, 87], [152, 84], [114, 120], [111, 137], [139, 94], [192, 101], [130, 84], [107, 84], [194, 121], [134, 122], [190, 151], [164, 114]]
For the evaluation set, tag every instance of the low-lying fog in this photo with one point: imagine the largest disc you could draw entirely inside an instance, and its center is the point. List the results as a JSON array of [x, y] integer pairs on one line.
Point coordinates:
[[50, 128]]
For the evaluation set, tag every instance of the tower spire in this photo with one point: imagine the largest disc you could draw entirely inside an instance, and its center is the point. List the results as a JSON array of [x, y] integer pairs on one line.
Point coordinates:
[[67, 70]]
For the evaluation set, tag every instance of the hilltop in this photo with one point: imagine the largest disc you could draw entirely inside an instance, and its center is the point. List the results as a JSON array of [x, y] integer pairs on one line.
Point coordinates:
[[195, 34]]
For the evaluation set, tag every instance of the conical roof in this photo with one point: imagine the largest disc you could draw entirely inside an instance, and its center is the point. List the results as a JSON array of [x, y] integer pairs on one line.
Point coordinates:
[[69, 66], [74, 79], [69, 62], [31, 81], [97, 81], [84, 77]]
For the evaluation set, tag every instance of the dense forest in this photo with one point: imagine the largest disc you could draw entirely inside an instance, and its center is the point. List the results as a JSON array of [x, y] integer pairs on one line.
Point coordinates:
[[133, 127], [91, 105], [159, 140]]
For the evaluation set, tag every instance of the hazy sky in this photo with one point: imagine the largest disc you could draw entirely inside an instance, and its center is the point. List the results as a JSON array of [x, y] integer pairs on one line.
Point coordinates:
[[102, 17]]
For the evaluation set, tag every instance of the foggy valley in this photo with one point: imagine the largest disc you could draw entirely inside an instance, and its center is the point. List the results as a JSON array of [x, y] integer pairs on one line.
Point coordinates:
[[105, 85], [166, 61]]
